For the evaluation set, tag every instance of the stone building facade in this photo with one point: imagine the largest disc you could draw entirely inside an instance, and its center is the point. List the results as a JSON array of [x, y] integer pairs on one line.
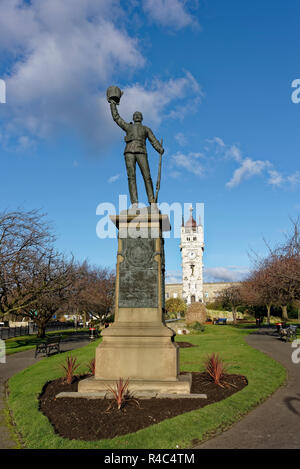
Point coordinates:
[[210, 290]]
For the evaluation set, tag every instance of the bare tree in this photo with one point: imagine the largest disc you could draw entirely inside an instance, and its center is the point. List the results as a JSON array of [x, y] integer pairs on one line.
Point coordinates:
[[51, 279], [282, 272], [25, 238], [276, 278], [231, 297], [283, 266], [93, 291], [257, 290], [37, 282]]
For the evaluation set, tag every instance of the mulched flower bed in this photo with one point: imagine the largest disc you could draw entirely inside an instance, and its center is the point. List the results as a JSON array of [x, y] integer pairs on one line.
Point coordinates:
[[96, 419]]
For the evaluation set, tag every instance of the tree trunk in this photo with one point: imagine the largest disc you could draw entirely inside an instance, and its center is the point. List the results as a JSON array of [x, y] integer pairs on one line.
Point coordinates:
[[41, 330], [76, 318], [284, 312], [268, 313], [234, 314]]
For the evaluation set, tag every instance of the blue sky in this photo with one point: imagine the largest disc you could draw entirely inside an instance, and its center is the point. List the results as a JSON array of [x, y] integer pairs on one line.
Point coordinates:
[[212, 78]]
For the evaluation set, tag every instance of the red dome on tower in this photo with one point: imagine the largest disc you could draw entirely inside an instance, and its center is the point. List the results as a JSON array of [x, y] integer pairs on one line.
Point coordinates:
[[191, 223]]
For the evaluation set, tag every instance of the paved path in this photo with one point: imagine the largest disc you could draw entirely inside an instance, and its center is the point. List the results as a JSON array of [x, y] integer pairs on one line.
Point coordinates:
[[276, 422], [17, 362]]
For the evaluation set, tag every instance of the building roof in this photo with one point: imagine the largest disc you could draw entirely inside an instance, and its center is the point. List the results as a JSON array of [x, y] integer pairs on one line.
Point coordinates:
[[191, 222]]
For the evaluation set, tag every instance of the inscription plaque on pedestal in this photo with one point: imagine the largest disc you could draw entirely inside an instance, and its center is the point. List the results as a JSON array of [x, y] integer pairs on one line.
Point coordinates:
[[138, 274]]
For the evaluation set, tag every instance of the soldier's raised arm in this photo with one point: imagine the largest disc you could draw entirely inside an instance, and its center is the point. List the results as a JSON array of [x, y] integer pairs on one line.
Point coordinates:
[[154, 142], [116, 116]]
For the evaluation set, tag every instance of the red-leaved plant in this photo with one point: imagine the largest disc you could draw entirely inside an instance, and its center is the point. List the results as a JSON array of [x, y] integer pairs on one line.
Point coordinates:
[[216, 368], [119, 391], [70, 366], [92, 366]]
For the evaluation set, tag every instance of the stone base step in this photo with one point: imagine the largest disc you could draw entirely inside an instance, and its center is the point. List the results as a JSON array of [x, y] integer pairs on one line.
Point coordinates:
[[181, 385]]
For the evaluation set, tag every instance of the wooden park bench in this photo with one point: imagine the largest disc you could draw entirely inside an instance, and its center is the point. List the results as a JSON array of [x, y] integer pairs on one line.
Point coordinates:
[[48, 346]]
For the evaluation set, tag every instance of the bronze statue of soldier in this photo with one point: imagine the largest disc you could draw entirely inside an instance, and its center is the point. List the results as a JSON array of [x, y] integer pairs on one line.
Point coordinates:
[[135, 150]]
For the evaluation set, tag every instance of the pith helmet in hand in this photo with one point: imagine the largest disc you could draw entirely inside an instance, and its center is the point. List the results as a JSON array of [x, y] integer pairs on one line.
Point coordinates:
[[114, 93]]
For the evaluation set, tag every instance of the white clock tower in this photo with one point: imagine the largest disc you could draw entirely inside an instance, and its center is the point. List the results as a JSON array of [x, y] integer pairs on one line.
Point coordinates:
[[192, 247]]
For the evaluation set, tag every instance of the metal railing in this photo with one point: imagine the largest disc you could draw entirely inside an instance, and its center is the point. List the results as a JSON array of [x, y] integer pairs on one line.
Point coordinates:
[[18, 331]]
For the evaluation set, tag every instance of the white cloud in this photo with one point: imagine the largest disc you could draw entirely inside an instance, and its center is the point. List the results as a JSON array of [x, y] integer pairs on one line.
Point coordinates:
[[247, 169], [173, 276], [25, 143], [153, 100], [213, 274], [64, 55], [114, 178], [181, 139], [188, 162], [172, 13], [216, 140], [234, 152], [275, 178], [219, 141], [216, 150], [225, 274], [294, 179]]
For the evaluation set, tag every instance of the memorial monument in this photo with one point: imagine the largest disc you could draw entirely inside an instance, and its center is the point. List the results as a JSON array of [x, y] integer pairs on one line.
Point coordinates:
[[138, 345]]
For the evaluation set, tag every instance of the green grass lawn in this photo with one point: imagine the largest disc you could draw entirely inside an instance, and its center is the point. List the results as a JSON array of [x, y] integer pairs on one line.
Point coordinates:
[[27, 342], [264, 376]]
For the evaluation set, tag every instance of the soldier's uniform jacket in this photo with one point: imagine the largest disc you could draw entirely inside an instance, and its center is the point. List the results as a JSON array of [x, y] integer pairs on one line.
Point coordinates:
[[136, 134]]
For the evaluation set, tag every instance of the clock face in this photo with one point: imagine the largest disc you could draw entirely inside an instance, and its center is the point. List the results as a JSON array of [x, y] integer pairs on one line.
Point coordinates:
[[192, 255]]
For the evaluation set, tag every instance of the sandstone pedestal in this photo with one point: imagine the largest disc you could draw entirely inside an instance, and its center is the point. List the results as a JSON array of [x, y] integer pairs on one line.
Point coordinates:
[[138, 345]]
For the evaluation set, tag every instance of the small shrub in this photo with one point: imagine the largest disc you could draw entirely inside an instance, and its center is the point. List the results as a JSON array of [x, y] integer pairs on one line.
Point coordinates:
[[70, 366], [216, 368], [197, 327], [92, 366], [119, 391]]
